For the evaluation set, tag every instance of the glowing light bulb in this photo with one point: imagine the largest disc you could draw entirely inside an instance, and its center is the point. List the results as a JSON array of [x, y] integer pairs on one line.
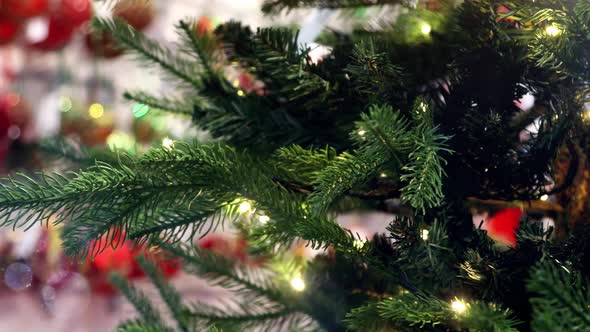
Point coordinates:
[[359, 244], [362, 132], [236, 83], [424, 234], [167, 143], [244, 207], [383, 175], [459, 306], [552, 30], [65, 104], [96, 110], [241, 93], [425, 29], [264, 219], [298, 284], [140, 110], [544, 197]]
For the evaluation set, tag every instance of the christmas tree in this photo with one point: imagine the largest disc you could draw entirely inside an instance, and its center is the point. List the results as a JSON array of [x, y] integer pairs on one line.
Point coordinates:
[[422, 117]]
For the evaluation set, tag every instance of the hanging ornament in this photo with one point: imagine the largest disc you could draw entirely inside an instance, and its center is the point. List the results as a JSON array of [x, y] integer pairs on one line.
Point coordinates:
[[24, 8], [138, 13], [102, 45], [503, 225], [58, 35], [8, 29], [204, 25], [73, 12]]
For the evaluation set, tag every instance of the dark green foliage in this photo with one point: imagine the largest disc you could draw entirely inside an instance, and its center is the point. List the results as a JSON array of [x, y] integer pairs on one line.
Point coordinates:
[[393, 119]]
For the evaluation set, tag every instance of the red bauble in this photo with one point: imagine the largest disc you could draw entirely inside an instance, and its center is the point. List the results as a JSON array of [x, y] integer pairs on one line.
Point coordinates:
[[24, 8], [204, 25], [8, 30], [503, 225], [58, 35], [102, 44], [138, 13], [73, 12]]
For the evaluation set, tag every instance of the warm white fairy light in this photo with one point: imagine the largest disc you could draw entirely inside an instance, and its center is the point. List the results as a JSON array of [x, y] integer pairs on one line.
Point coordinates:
[[298, 284], [167, 143], [241, 93], [424, 234], [361, 133], [544, 197], [264, 219], [552, 30], [425, 28], [459, 306], [244, 207], [359, 244], [383, 175]]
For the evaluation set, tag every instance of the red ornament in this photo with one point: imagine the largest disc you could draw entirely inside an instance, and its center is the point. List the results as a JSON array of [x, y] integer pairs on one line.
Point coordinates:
[[24, 8], [503, 225], [58, 35], [73, 12], [102, 45], [8, 30], [122, 260], [204, 25], [138, 13]]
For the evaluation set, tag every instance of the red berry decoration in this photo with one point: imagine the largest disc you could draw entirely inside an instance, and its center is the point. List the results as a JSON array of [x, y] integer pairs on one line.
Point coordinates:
[[24, 8], [102, 45], [8, 30], [73, 12], [503, 225], [138, 13], [58, 35]]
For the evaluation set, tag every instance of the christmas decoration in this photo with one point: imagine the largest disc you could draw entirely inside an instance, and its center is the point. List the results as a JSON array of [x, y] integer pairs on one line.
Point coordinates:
[[137, 13], [9, 29], [24, 8], [59, 34], [73, 12], [101, 44], [423, 118], [503, 225]]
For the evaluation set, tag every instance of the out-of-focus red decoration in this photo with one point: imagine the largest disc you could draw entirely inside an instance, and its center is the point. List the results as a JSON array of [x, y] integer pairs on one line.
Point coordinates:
[[503, 225], [58, 35], [23, 8], [7, 102], [73, 12], [138, 13], [503, 10], [122, 260], [102, 44], [233, 249], [204, 25], [8, 29]]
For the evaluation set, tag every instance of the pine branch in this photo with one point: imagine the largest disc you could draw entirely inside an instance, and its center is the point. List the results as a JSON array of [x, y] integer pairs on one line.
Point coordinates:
[[139, 326], [383, 137], [276, 6], [562, 299], [149, 51], [148, 313], [167, 104], [169, 294]]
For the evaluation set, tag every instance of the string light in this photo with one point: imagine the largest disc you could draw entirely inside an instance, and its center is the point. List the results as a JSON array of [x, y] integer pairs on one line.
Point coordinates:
[[358, 244], [383, 175], [140, 110], [425, 29], [298, 284], [167, 143], [552, 30], [459, 306], [236, 83], [362, 133], [96, 110], [424, 234], [65, 104], [264, 219], [544, 197], [241, 93], [244, 207]]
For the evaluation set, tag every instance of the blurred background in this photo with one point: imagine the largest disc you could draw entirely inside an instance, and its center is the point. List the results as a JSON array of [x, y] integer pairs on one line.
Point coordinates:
[[57, 78]]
